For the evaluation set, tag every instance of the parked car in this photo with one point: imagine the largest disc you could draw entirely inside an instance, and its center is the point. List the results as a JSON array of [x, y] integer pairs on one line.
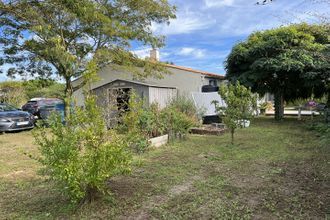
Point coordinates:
[[35, 105], [47, 110], [13, 119]]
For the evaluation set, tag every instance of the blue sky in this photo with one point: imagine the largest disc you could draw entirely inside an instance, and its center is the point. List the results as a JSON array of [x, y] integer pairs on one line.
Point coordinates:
[[205, 30]]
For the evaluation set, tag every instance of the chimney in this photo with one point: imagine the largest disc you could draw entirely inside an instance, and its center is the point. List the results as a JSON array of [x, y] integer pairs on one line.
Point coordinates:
[[154, 54]]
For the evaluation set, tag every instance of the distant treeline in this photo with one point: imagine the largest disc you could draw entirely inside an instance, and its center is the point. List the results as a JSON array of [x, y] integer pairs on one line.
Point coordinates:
[[17, 93]]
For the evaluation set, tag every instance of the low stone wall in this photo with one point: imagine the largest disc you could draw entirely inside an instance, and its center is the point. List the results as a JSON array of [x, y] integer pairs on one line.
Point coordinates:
[[159, 141]]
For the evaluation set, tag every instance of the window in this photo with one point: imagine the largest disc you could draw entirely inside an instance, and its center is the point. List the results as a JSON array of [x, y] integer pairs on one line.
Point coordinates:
[[213, 82]]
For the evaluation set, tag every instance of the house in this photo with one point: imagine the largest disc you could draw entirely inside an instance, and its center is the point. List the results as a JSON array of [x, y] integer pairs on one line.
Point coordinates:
[[182, 81]]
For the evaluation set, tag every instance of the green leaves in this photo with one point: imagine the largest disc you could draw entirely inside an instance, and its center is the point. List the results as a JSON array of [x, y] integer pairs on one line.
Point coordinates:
[[143, 122], [241, 104], [79, 155], [278, 60], [66, 35]]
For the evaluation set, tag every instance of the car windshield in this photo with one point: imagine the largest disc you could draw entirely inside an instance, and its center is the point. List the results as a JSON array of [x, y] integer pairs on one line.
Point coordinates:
[[6, 108], [31, 102], [49, 102]]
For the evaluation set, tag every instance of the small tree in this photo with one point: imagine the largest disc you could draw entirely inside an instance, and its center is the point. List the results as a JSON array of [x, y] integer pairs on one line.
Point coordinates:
[[80, 156], [240, 106]]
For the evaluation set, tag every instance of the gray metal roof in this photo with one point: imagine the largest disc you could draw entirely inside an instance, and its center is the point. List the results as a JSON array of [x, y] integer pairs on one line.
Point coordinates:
[[139, 83]]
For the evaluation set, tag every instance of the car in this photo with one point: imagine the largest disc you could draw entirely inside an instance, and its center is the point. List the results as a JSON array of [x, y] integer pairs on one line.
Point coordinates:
[[35, 105], [13, 119], [56, 107], [321, 106]]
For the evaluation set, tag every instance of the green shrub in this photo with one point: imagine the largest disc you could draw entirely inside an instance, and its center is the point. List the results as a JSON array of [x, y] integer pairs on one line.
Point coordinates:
[[181, 114], [44, 88], [151, 121], [187, 106], [138, 143], [184, 105], [79, 155], [135, 124], [17, 93], [13, 93], [143, 122]]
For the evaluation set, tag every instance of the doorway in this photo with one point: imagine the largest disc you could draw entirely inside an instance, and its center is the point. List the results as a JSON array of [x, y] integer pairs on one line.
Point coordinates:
[[120, 98]]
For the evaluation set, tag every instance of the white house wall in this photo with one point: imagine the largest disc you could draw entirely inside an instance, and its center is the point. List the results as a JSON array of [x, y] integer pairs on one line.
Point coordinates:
[[203, 102]]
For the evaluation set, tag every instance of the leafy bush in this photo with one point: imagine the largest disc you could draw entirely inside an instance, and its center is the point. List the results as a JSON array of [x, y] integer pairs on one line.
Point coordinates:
[[134, 124], [44, 88], [80, 156], [142, 122], [177, 123], [152, 122], [13, 93], [18, 93], [184, 105], [187, 106], [138, 143]]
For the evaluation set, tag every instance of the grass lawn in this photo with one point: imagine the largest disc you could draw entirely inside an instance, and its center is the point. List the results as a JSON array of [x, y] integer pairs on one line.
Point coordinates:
[[275, 170]]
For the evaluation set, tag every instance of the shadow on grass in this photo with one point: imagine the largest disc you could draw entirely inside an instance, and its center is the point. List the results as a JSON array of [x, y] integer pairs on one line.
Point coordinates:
[[33, 197]]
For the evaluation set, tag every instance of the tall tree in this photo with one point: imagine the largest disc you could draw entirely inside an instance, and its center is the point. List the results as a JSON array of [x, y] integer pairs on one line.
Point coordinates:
[[73, 38], [283, 61]]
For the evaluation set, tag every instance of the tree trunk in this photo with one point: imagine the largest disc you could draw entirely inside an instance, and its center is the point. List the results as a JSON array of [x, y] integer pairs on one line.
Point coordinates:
[[327, 109], [279, 105], [68, 97], [328, 100], [232, 131], [91, 193]]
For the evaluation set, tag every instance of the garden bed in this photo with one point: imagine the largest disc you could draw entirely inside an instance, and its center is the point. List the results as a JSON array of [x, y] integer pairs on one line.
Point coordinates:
[[213, 129], [159, 141]]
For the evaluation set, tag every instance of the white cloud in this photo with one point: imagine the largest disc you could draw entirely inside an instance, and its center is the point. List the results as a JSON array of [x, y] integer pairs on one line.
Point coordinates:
[[243, 20], [164, 54], [142, 52], [218, 3], [186, 22], [194, 52]]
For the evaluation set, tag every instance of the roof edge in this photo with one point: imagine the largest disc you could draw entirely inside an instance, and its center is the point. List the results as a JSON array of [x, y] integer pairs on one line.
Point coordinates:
[[138, 83], [195, 71]]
